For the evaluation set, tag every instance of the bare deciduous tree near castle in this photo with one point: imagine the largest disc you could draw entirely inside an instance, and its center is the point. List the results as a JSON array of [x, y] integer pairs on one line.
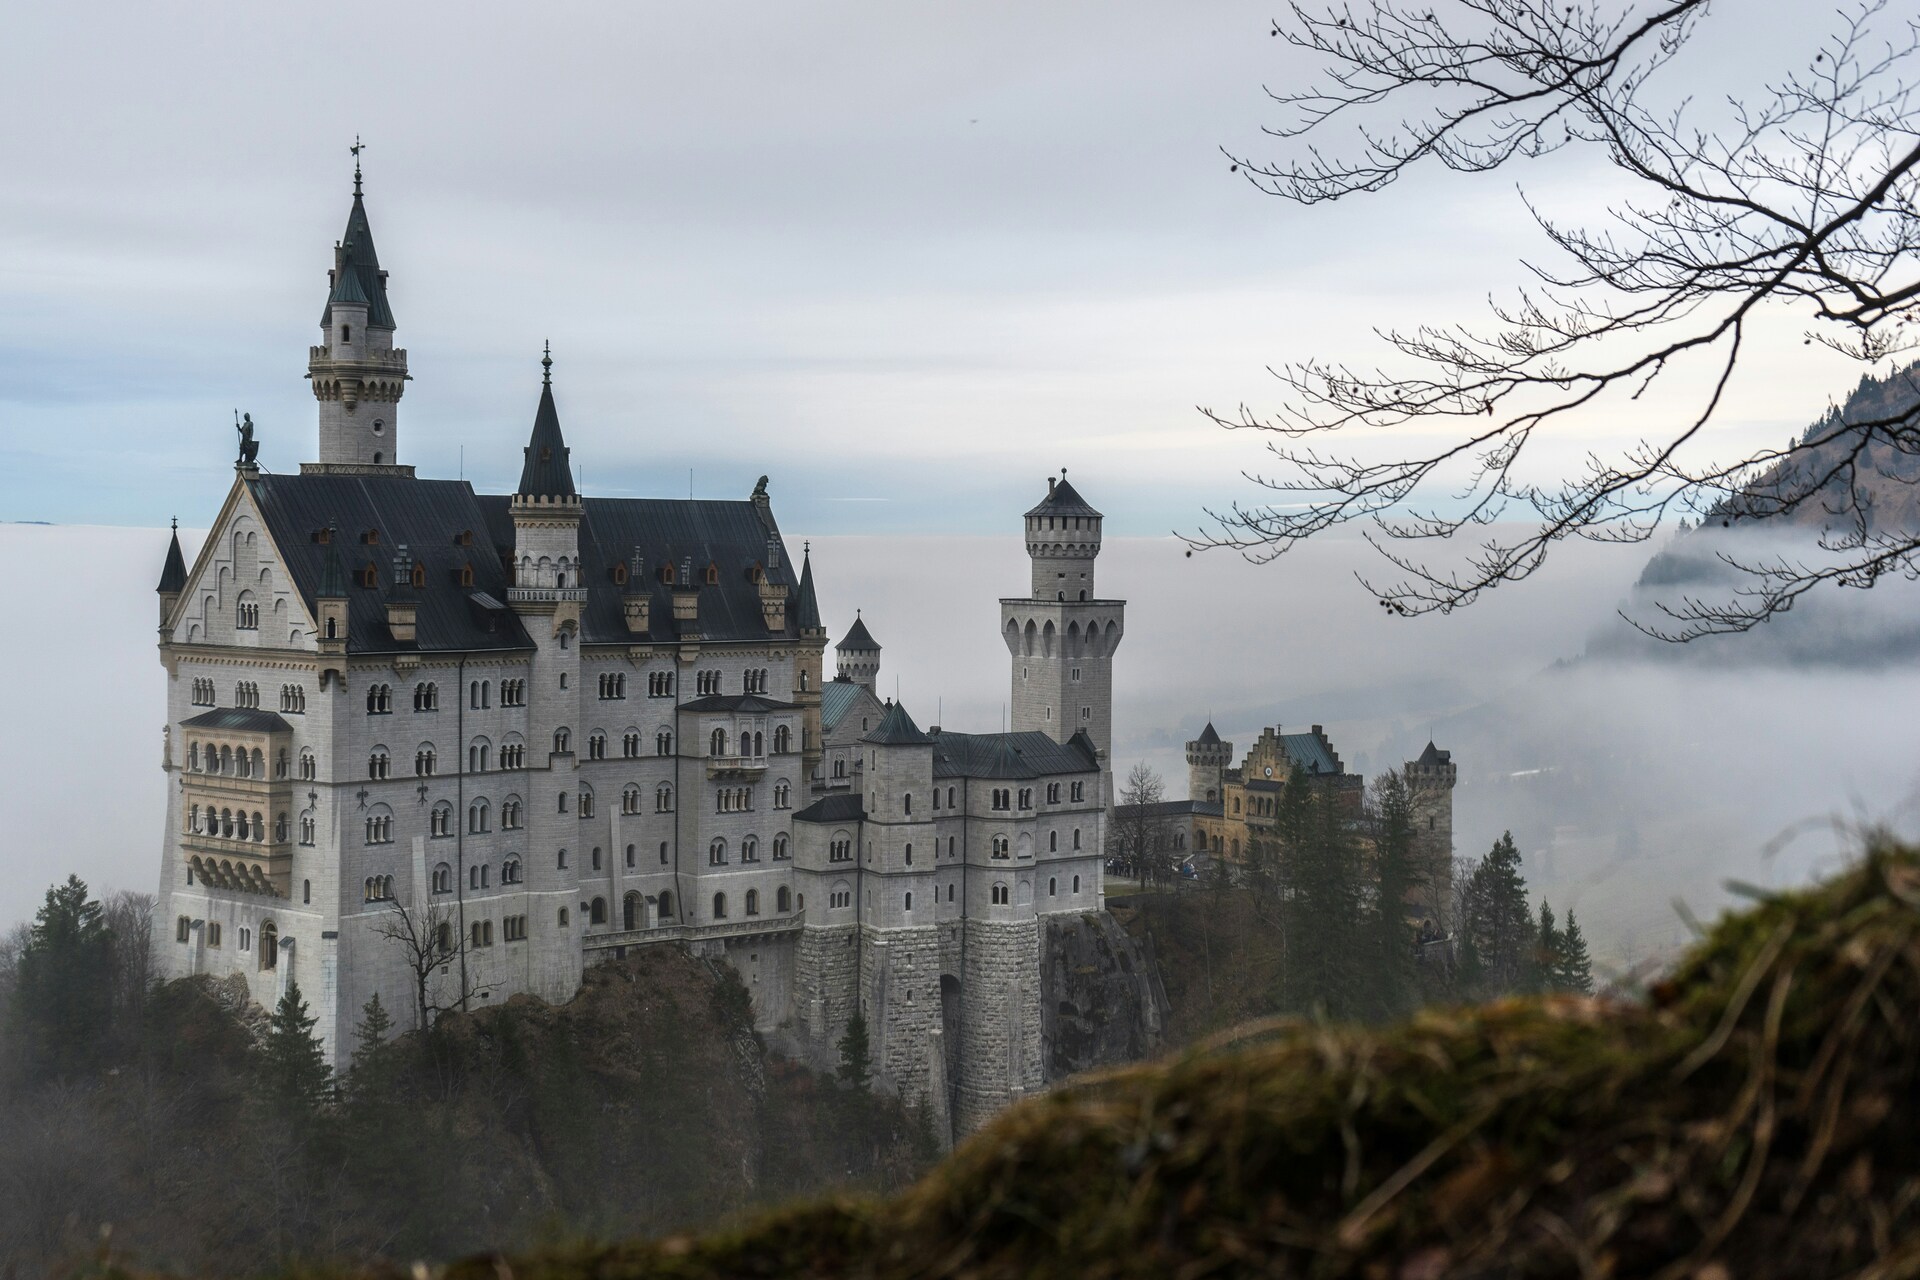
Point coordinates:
[[1795, 200]]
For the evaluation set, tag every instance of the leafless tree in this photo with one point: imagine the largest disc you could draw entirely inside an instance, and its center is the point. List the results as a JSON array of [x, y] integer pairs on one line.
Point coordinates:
[[1795, 200], [129, 917], [434, 946], [1145, 834]]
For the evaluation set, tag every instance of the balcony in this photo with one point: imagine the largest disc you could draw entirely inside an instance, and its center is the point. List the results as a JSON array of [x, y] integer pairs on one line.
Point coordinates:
[[546, 595], [736, 766], [242, 866]]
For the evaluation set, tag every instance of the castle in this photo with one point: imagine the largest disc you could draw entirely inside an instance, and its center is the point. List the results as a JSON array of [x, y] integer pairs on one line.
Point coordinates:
[[1228, 807], [447, 747]]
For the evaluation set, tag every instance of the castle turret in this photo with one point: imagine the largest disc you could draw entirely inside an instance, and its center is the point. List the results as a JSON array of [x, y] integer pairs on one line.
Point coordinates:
[[809, 664], [173, 578], [859, 655], [548, 595], [1432, 778], [1208, 759], [330, 603], [358, 374], [1062, 637]]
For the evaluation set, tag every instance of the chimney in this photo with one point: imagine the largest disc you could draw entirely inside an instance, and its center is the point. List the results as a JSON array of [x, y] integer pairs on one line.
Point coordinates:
[[686, 598], [402, 606], [637, 600]]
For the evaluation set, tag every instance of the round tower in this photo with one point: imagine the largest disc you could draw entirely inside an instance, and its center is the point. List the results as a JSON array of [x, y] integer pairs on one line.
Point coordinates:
[[1431, 778], [358, 375], [1063, 540], [1207, 761], [859, 656]]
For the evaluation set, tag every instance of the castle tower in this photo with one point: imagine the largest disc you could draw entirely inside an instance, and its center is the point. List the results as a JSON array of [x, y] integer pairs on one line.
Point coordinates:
[[809, 664], [358, 374], [1208, 759], [899, 906], [1062, 636], [859, 655], [1432, 779], [173, 578], [548, 596]]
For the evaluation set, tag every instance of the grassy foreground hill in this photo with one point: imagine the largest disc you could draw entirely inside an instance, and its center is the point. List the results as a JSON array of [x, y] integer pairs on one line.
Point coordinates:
[[1759, 1118]]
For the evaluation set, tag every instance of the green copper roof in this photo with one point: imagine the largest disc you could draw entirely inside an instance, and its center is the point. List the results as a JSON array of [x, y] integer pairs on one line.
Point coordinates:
[[897, 729]]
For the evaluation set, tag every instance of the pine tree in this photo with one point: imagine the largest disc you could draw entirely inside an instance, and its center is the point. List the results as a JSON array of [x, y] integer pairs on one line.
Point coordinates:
[[293, 1066], [1575, 968], [1499, 927], [1390, 922], [1323, 917], [63, 989], [856, 1054], [1546, 953], [370, 1051]]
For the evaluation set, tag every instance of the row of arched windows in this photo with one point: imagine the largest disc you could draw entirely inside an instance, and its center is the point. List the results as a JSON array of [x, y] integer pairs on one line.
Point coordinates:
[[379, 699], [293, 699], [234, 824], [613, 684]]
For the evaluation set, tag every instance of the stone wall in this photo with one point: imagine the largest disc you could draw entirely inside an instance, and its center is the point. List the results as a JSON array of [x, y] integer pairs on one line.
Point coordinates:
[[1000, 1054]]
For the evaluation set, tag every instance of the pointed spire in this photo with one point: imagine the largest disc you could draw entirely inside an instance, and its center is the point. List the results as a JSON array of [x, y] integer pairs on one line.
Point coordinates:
[[173, 576], [333, 570], [859, 639], [807, 611], [355, 257], [546, 363], [546, 472], [897, 729]]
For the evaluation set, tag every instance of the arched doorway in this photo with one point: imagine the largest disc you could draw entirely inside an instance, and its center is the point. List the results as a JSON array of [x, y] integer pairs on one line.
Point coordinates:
[[633, 911], [269, 945]]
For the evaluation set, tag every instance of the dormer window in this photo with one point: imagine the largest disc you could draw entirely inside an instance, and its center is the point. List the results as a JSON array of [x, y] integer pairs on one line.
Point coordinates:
[[620, 574], [323, 536], [371, 537], [419, 575], [370, 577], [666, 574], [713, 575], [464, 575], [464, 538]]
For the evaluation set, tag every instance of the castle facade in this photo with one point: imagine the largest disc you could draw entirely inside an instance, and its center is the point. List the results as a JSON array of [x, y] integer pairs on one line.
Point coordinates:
[[449, 747]]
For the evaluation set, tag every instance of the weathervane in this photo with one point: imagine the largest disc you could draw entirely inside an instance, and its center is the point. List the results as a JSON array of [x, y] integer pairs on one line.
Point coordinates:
[[546, 364], [357, 147]]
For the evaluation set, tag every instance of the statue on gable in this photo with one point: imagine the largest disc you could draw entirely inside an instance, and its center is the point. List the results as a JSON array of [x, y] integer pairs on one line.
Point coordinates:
[[249, 447], [760, 490]]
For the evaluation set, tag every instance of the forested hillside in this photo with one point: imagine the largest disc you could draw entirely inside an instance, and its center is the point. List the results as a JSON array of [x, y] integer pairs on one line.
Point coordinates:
[[205, 1136]]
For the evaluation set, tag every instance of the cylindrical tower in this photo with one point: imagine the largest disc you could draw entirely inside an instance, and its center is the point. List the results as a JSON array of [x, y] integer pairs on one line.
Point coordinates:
[[859, 656], [1208, 759]]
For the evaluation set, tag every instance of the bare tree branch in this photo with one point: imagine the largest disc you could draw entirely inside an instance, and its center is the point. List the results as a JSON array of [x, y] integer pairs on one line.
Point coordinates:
[[1804, 199]]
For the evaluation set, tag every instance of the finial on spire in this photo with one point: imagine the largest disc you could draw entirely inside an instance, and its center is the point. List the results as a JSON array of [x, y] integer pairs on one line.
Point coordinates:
[[546, 365], [357, 147], [176, 524]]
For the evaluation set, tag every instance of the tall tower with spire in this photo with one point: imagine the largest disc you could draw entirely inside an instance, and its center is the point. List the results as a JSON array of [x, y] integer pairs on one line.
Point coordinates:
[[859, 655], [358, 375], [1062, 636]]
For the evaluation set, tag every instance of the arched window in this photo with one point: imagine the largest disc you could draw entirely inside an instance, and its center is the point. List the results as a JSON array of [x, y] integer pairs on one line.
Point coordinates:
[[665, 905], [565, 917], [1000, 896], [909, 853], [1053, 841], [309, 769], [908, 905], [597, 911], [663, 798], [663, 743], [509, 815], [270, 945], [562, 742], [717, 853], [247, 613], [783, 899], [780, 848], [629, 744], [1053, 886], [781, 738], [379, 699], [719, 906], [424, 761], [443, 878], [477, 816], [631, 911], [379, 765], [307, 829], [597, 745], [717, 743], [594, 858], [630, 798], [510, 871], [440, 821], [753, 902], [1076, 884], [586, 802], [561, 860]]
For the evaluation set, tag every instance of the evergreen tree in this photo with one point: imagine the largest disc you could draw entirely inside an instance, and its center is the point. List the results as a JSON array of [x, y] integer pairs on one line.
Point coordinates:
[[1546, 953], [293, 1066], [371, 1050], [1499, 928], [1390, 922], [1324, 902], [63, 988], [1574, 970], [856, 1054]]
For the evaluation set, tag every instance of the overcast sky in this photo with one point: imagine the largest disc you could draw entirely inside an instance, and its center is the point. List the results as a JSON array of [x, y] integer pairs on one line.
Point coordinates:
[[902, 258]]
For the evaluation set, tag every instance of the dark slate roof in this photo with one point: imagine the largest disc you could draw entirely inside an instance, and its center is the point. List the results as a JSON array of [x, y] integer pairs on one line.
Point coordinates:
[[362, 264], [1028, 754], [859, 639], [173, 575], [238, 718], [1168, 809], [750, 702], [726, 534], [1309, 752], [897, 729], [426, 515], [1208, 737], [1062, 500], [845, 807], [837, 697], [807, 607], [547, 472], [1429, 758]]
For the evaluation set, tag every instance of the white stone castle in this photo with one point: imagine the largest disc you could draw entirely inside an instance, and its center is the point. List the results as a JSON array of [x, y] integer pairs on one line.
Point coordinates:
[[449, 747]]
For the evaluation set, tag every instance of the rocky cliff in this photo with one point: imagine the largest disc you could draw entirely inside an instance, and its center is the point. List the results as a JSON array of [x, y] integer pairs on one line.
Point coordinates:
[[1102, 1002]]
